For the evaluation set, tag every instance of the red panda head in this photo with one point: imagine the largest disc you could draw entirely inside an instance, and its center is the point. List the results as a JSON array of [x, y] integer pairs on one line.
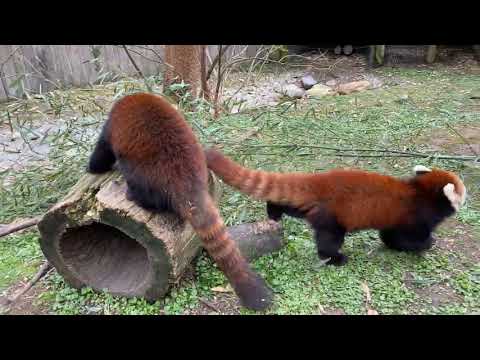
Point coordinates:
[[446, 182]]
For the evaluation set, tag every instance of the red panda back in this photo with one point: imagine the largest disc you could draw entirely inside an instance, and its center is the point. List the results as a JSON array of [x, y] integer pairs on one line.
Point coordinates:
[[165, 168]]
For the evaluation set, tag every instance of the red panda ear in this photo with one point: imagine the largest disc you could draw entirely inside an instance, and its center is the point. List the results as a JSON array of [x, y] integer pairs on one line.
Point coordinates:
[[420, 170]]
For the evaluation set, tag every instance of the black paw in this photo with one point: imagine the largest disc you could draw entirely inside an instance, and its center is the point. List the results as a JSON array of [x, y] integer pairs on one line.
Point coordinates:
[[338, 260], [129, 194], [255, 295], [274, 215], [97, 169]]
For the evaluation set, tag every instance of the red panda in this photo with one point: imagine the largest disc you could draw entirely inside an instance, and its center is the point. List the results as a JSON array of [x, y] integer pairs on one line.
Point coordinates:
[[339, 201], [165, 170]]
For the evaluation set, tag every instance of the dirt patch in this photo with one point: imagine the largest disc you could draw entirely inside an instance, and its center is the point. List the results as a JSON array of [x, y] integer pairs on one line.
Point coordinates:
[[463, 140], [462, 240], [28, 304], [439, 294], [224, 304]]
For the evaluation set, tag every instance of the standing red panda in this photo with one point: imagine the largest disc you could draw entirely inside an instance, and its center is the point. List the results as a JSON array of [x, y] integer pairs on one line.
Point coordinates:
[[165, 170], [340, 201]]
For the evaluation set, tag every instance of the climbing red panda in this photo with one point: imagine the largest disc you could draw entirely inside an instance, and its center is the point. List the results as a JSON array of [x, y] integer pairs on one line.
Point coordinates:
[[165, 170], [405, 211]]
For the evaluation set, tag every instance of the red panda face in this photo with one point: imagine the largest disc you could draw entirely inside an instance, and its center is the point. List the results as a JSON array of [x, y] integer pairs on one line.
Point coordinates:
[[449, 183]]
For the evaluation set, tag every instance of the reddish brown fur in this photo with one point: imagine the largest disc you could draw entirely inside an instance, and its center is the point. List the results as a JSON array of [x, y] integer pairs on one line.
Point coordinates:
[[358, 199], [165, 169]]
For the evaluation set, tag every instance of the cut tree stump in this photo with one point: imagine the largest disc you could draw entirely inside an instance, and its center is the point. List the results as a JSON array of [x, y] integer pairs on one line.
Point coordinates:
[[95, 237]]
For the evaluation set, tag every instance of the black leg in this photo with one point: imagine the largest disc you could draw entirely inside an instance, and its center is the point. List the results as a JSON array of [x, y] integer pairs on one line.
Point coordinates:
[[329, 236], [329, 242], [130, 195], [147, 198], [102, 158], [274, 211], [408, 238]]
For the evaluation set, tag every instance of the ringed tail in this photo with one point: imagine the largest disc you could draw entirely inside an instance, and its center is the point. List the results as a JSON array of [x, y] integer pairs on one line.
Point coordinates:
[[261, 185], [207, 222]]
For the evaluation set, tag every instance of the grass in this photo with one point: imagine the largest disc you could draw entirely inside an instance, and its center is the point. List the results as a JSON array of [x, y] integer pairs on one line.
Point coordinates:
[[20, 257], [288, 137]]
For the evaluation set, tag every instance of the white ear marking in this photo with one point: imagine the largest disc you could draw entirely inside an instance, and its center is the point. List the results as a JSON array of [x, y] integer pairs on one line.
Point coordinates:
[[455, 199], [420, 169]]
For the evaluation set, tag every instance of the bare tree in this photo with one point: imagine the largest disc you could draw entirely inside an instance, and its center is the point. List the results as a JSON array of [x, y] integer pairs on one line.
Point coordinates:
[[187, 63]]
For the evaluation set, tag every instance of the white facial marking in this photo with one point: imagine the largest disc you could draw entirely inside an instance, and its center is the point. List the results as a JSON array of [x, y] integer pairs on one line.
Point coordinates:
[[455, 199], [420, 168]]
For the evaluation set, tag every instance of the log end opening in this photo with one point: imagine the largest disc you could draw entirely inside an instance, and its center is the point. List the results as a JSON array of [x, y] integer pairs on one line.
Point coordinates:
[[105, 258]]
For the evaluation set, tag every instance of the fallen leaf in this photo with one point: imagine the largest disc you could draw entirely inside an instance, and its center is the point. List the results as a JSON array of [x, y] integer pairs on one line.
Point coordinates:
[[366, 290], [221, 289]]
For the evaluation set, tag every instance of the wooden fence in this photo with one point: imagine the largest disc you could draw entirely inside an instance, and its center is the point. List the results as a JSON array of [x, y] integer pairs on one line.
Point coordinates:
[[40, 68]]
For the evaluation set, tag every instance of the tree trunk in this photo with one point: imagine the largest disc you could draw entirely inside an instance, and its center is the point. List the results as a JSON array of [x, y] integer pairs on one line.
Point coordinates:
[[431, 54], [95, 237], [476, 51], [376, 55], [187, 63]]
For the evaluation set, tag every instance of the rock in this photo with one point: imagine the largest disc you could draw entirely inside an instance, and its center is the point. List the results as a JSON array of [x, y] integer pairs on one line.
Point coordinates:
[[347, 49], [308, 82], [331, 83], [293, 91], [320, 90], [354, 86], [94, 310]]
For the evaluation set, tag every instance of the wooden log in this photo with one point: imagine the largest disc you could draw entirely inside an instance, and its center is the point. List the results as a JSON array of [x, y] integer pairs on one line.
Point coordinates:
[[95, 237], [431, 54], [257, 239], [351, 87]]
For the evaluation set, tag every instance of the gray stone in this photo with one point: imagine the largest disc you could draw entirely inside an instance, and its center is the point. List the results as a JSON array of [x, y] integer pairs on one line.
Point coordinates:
[[293, 91], [308, 82], [320, 90]]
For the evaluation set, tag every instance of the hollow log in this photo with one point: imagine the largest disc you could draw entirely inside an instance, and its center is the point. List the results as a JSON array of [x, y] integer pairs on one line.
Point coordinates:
[[95, 237]]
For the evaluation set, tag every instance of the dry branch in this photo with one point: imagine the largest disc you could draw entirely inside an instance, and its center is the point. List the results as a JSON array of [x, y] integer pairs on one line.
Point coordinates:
[[219, 82], [207, 304], [17, 226], [221, 52], [40, 274], [344, 152], [137, 68]]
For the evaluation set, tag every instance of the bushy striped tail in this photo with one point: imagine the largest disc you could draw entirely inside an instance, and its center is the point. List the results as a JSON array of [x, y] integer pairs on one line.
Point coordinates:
[[261, 185], [249, 286]]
